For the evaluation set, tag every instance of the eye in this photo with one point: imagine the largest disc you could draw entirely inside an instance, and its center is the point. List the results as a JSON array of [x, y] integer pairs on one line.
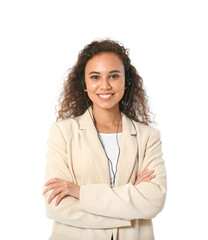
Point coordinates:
[[114, 76], [95, 77]]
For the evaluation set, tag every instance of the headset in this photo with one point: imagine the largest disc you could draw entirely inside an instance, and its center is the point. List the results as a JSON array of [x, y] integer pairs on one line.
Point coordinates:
[[129, 83]]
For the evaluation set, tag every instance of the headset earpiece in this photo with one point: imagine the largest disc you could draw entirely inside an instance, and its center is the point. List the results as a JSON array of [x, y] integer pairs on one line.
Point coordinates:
[[129, 83], [128, 80]]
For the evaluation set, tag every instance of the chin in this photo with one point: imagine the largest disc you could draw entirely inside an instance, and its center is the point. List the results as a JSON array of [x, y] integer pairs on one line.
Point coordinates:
[[106, 106]]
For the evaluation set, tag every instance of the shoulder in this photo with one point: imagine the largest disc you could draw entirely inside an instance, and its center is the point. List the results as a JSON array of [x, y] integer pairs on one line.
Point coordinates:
[[141, 127], [66, 127], [68, 123], [145, 131]]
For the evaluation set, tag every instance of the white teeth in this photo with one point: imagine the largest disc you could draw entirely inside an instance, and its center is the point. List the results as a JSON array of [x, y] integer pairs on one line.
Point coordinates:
[[105, 96]]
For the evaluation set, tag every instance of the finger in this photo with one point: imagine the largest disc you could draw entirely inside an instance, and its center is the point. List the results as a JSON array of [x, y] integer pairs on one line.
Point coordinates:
[[142, 178], [52, 181], [53, 195], [149, 172], [145, 170], [153, 176], [60, 197], [145, 179], [52, 186], [146, 174]]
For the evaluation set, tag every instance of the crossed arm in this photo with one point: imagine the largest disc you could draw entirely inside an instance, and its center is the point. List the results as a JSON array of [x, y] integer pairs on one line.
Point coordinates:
[[74, 205], [62, 188]]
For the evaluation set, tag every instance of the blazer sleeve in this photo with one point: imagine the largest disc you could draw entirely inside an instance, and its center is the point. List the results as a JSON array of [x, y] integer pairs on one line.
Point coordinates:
[[141, 201], [68, 212]]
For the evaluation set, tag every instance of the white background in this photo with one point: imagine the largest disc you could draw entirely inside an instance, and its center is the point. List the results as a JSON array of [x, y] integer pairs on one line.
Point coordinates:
[[168, 45]]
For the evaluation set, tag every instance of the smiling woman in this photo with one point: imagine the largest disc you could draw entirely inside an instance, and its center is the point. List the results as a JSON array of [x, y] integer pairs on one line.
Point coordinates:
[[105, 175], [105, 88], [72, 100]]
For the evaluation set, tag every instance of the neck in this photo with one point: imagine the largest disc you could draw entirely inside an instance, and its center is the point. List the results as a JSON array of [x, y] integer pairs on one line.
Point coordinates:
[[106, 117]]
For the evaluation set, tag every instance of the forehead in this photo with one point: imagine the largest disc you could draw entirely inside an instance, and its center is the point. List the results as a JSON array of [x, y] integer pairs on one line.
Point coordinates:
[[105, 61]]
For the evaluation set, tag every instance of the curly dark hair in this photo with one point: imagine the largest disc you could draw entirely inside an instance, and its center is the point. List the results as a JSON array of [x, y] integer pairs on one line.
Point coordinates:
[[72, 99]]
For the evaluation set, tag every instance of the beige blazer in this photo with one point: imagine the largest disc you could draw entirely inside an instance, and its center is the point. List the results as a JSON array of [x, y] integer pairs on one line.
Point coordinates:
[[75, 154]]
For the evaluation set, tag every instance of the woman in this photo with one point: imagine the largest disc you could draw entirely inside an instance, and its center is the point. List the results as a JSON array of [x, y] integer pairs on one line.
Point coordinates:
[[105, 176]]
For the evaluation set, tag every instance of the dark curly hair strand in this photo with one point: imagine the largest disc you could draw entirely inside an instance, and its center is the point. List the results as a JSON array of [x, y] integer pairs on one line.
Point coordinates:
[[134, 103]]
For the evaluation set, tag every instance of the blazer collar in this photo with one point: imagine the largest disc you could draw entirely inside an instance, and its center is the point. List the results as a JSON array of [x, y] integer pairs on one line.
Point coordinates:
[[86, 122], [128, 148]]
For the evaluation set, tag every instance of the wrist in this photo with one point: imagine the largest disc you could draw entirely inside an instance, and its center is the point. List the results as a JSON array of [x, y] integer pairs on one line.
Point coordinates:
[[75, 191]]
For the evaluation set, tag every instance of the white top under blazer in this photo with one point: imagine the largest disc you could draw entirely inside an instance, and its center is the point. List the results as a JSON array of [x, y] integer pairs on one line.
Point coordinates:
[[109, 142]]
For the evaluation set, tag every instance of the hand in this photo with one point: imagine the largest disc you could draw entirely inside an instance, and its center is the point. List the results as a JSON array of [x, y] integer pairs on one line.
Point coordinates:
[[145, 176], [61, 188]]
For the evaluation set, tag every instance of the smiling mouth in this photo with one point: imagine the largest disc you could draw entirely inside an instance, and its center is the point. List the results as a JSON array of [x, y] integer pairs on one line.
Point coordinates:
[[105, 96]]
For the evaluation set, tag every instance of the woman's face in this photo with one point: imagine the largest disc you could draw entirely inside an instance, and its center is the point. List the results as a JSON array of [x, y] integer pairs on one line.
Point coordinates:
[[105, 80]]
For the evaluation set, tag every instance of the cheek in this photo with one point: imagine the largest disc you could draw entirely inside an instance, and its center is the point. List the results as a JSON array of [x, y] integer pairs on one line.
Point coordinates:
[[120, 93], [91, 85], [92, 88], [120, 88]]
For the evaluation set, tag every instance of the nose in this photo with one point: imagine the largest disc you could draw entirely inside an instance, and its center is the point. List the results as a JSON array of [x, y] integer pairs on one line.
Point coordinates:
[[105, 84]]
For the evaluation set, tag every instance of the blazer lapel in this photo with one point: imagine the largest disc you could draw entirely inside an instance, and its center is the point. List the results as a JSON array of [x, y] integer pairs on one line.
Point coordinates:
[[128, 152], [128, 148]]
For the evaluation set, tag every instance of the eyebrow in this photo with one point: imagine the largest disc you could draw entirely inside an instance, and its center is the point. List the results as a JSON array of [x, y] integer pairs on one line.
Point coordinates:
[[113, 71]]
